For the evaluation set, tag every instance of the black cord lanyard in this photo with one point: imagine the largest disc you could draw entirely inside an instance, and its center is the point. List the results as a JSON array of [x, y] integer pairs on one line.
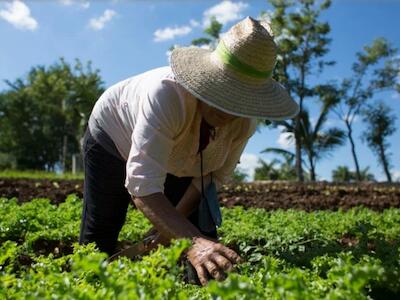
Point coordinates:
[[211, 134], [201, 170]]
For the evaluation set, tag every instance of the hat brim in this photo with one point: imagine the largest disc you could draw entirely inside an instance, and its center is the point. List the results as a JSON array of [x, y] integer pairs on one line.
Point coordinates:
[[195, 71]]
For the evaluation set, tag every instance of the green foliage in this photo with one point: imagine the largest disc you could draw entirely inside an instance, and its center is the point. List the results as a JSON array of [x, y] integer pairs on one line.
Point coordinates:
[[380, 125], [35, 174], [46, 112], [317, 140], [375, 70], [275, 170], [213, 32], [288, 255], [214, 29], [302, 40], [344, 174], [7, 161], [238, 176]]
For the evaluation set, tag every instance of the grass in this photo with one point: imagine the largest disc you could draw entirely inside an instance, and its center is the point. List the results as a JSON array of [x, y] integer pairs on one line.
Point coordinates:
[[34, 174]]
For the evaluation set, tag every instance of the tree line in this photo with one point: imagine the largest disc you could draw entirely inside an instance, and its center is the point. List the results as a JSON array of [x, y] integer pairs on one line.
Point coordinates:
[[43, 115]]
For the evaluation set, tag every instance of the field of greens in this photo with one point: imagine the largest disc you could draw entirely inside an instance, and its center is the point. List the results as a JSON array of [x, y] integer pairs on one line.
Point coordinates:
[[288, 254]]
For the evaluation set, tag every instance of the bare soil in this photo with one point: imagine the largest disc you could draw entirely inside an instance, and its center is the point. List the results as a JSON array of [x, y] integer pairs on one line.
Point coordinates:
[[267, 195]]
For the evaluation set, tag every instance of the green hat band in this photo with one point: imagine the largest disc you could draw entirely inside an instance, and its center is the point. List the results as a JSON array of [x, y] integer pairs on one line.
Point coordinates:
[[232, 61]]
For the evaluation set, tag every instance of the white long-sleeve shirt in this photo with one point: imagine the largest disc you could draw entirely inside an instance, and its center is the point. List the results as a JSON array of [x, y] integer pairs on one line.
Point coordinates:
[[155, 125]]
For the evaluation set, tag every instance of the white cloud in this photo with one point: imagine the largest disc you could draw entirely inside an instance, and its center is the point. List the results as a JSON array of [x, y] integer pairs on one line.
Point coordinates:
[[396, 175], [267, 16], [313, 121], [395, 95], [85, 4], [18, 14], [169, 52], [194, 23], [170, 33], [381, 177], [285, 34], [285, 140], [100, 22], [67, 2], [248, 163], [225, 11], [333, 122], [207, 47]]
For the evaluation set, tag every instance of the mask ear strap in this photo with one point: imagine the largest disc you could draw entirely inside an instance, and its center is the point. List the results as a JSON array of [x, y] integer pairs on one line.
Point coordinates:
[[201, 170]]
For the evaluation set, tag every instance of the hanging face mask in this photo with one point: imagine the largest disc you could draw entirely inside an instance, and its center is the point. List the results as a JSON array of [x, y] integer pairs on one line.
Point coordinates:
[[209, 211]]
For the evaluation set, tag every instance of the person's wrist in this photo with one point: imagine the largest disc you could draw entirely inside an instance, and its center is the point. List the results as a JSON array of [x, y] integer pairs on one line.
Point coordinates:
[[196, 238]]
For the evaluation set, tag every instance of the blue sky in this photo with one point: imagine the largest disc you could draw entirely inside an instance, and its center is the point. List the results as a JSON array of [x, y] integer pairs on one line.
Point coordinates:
[[124, 38]]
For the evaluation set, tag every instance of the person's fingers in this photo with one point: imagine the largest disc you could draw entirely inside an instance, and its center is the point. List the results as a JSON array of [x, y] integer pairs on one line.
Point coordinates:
[[222, 262], [201, 274], [230, 254], [213, 270]]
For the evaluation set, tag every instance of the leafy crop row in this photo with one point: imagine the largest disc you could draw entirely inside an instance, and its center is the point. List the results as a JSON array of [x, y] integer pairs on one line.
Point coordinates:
[[288, 255]]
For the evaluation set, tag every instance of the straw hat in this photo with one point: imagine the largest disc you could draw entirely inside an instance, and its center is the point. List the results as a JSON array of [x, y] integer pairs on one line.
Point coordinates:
[[236, 76]]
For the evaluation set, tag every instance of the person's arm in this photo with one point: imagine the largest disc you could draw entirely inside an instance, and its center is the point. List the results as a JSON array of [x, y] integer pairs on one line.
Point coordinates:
[[205, 255], [189, 202], [168, 221]]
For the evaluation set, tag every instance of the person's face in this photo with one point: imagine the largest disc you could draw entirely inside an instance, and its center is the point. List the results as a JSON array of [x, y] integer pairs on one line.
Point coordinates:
[[215, 117]]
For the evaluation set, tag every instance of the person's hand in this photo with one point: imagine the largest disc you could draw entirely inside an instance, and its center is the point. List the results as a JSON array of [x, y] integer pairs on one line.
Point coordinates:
[[210, 257], [153, 238]]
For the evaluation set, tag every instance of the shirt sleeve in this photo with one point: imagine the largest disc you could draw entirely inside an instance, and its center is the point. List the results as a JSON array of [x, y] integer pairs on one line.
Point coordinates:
[[159, 121], [224, 174]]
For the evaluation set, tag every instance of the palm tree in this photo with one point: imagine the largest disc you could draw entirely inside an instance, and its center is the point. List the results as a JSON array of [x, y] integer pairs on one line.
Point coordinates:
[[344, 174], [238, 176], [266, 171], [380, 125], [287, 167], [317, 141]]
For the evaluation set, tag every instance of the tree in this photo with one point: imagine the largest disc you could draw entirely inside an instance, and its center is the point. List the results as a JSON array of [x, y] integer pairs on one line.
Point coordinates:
[[266, 171], [375, 70], [380, 125], [344, 174], [317, 140], [276, 169], [43, 116], [238, 176], [302, 42], [287, 169], [213, 32]]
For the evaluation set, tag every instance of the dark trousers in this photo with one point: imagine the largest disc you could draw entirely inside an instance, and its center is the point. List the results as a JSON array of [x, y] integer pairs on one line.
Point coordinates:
[[106, 199]]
